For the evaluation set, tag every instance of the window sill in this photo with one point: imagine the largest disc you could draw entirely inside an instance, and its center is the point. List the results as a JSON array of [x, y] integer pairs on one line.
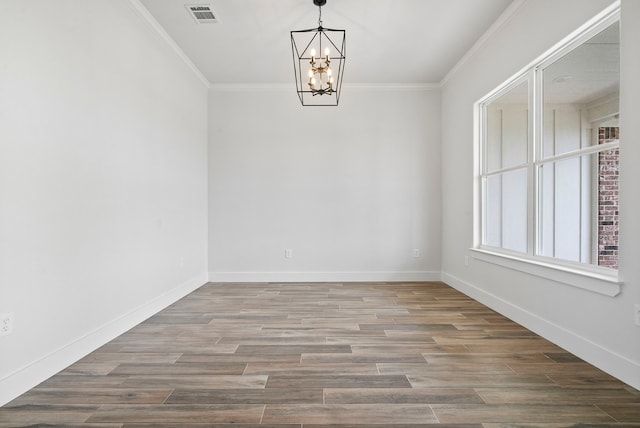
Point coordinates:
[[601, 283]]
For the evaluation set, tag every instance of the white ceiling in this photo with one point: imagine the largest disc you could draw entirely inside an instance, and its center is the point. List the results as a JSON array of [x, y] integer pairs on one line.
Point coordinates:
[[388, 41]]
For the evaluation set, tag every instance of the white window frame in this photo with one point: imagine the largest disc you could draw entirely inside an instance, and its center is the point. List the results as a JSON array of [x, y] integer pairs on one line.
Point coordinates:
[[586, 276]]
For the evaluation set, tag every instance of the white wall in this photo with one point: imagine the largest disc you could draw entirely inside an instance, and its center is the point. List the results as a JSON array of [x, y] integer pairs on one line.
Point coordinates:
[[102, 180], [597, 328], [351, 190]]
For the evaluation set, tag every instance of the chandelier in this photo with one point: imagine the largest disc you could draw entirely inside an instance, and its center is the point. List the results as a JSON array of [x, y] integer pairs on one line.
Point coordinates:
[[318, 62]]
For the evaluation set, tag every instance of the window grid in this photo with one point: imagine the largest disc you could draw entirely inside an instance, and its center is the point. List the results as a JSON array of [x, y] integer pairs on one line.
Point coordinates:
[[536, 159]]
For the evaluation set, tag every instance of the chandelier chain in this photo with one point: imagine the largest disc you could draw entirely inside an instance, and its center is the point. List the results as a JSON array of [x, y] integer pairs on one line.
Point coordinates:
[[319, 16]]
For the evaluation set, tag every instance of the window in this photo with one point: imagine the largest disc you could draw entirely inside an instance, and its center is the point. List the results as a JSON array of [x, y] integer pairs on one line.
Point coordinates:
[[548, 148]]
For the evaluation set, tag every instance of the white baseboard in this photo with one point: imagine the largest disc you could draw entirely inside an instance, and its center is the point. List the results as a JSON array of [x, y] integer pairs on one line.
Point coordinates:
[[616, 365], [380, 276], [32, 374]]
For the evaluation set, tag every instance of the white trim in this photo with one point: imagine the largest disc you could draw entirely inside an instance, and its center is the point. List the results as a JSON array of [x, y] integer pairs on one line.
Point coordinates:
[[35, 372], [146, 15], [253, 87], [372, 276], [587, 277], [616, 365], [502, 20], [392, 86], [276, 87], [597, 282]]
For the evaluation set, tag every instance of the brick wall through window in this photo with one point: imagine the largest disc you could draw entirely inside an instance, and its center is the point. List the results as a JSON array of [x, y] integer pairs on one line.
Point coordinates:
[[608, 162]]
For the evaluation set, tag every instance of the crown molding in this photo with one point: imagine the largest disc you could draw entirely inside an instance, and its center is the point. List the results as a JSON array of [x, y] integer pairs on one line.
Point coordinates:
[[277, 87], [506, 16], [410, 87], [251, 87], [155, 25]]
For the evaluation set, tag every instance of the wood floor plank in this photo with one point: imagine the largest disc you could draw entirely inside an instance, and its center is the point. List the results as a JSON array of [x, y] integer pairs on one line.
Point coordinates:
[[420, 336], [475, 380], [484, 358], [343, 369], [325, 332], [557, 395], [195, 381], [208, 425], [562, 357], [179, 318], [598, 379], [235, 358], [170, 413], [62, 381], [275, 340], [246, 396], [510, 345], [523, 413], [125, 357], [64, 425], [427, 368], [362, 358], [551, 368], [98, 396], [29, 414], [412, 327], [622, 412], [337, 381], [356, 340], [401, 395], [349, 413], [393, 425], [291, 349], [560, 425], [90, 368], [168, 346], [209, 368], [427, 348]]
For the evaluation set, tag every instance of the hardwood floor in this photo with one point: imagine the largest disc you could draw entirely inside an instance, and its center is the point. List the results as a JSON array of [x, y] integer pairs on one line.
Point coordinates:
[[399, 355]]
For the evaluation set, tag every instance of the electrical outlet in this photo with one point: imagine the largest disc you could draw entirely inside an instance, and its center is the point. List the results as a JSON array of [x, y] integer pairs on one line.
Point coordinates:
[[288, 253], [416, 253], [636, 310], [6, 324]]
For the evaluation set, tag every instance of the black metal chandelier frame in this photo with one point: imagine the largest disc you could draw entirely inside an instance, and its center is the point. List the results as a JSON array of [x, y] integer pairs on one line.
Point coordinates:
[[324, 87]]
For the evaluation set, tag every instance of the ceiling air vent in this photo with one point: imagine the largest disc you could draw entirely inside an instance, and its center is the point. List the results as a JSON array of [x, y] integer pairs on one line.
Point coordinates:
[[202, 13]]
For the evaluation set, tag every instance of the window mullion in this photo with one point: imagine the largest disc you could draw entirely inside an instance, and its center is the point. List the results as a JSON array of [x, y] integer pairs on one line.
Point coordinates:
[[577, 153], [534, 151], [482, 167]]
